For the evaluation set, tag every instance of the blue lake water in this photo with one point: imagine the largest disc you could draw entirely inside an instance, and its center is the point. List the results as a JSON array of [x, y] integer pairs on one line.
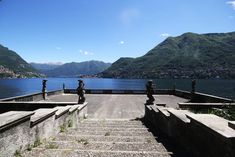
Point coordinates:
[[15, 87]]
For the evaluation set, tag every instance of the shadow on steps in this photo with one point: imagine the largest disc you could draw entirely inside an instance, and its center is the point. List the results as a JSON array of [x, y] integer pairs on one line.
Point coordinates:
[[169, 144]]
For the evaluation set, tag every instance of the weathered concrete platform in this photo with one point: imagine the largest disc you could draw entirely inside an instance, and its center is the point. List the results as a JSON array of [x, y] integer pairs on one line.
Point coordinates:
[[118, 124], [116, 106]]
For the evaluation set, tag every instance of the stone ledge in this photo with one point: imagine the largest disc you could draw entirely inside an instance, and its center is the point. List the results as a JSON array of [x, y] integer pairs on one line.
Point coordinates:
[[163, 110], [213, 97], [73, 108], [154, 108], [161, 104], [231, 124], [61, 111], [12, 118], [205, 105], [40, 115], [213, 123], [81, 106], [180, 114], [149, 108]]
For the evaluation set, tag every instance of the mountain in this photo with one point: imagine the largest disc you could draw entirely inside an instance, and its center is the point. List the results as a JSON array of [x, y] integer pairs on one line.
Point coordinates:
[[13, 66], [44, 67], [190, 55], [77, 69]]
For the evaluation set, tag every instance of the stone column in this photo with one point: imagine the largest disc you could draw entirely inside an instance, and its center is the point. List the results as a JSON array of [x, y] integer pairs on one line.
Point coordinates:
[[193, 90], [44, 86]]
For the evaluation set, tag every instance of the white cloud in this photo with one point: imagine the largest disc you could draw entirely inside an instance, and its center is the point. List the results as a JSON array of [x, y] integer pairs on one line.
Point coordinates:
[[121, 42], [165, 35], [86, 53], [128, 16], [58, 48], [232, 3]]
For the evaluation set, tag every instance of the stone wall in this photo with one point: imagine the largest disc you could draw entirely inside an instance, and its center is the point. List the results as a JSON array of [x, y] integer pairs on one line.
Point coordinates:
[[32, 97], [6, 106], [20, 130], [203, 134]]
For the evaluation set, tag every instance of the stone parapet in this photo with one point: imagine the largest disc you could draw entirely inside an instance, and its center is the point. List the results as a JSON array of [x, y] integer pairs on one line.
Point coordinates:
[[202, 134], [20, 130], [14, 131]]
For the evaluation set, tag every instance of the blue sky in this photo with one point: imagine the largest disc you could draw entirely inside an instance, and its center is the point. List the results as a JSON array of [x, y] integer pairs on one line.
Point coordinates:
[[80, 30]]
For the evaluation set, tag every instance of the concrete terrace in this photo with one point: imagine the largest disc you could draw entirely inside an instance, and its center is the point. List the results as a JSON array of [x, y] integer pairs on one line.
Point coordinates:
[[118, 124], [117, 106]]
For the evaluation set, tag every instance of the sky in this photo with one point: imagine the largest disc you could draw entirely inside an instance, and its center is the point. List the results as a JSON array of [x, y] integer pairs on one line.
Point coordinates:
[[50, 31]]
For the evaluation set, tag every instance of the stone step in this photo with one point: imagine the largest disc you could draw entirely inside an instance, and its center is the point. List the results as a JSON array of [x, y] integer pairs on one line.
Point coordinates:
[[124, 122], [93, 153], [108, 133], [112, 125], [95, 138], [114, 146], [110, 129]]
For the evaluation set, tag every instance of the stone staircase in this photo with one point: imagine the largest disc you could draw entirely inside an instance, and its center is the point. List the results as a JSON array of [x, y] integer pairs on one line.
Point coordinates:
[[102, 138]]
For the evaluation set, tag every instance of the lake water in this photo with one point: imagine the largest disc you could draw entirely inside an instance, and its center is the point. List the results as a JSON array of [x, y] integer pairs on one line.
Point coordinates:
[[15, 87]]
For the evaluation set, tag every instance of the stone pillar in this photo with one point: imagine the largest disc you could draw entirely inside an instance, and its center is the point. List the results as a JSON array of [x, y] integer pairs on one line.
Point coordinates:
[[44, 86], [193, 86], [193, 90]]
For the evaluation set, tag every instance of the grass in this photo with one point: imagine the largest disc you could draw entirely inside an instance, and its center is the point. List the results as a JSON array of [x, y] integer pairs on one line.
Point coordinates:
[[53, 139], [83, 141], [70, 123], [51, 146], [18, 153], [107, 134], [63, 128], [37, 143], [149, 141], [29, 147], [228, 112]]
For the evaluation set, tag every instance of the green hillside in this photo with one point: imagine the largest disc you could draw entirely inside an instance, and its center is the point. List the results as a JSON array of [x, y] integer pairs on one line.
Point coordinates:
[[12, 65], [187, 56], [76, 69]]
